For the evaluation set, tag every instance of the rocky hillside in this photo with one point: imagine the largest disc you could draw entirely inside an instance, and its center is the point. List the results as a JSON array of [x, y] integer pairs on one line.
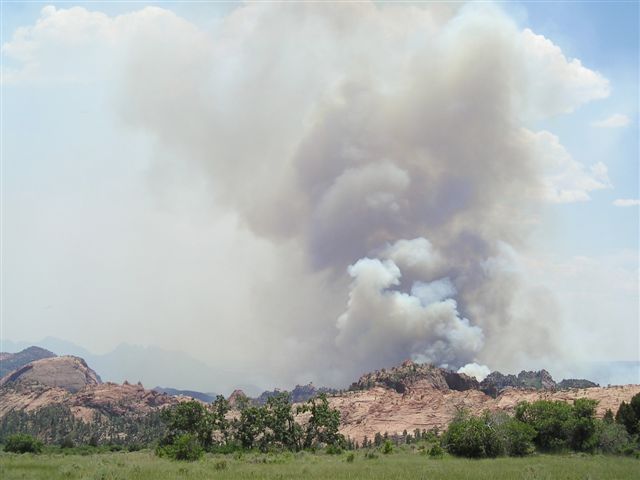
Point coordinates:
[[402, 377], [405, 397], [69, 382], [300, 394], [68, 373], [382, 409], [203, 397], [497, 382], [11, 361]]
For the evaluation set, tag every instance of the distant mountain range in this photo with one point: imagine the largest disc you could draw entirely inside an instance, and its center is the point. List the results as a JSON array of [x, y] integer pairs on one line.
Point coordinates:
[[181, 372], [204, 397], [148, 365]]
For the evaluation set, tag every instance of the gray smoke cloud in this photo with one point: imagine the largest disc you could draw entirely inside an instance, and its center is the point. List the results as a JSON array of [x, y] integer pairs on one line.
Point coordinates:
[[384, 153], [388, 142]]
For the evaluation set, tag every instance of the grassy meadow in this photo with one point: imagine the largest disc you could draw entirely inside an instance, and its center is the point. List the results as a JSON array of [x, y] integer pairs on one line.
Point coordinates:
[[404, 464]]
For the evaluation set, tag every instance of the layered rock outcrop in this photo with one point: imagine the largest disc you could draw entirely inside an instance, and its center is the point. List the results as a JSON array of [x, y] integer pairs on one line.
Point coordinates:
[[68, 381], [382, 409], [68, 373]]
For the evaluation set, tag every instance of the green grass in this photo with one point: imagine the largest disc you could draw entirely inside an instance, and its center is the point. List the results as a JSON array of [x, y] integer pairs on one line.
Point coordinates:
[[398, 465]]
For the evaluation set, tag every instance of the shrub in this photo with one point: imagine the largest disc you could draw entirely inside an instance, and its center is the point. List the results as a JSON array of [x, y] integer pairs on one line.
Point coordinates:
[[387, 447], [474, 437], [22, 443], [436, 451], [559, 425], [184, 447], [612, 437], [333, 449], [549, 419], [67, 442], [517, 437]]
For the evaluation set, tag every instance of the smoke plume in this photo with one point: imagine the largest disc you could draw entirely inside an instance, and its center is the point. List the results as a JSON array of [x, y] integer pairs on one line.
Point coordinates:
[[388, 143], [386, 155]]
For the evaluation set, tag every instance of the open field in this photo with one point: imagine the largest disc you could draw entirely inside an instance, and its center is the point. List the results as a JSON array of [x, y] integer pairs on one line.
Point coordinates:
[[405, 465]]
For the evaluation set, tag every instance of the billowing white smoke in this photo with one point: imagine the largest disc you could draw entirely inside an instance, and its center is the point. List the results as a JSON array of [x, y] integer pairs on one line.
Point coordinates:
[[355, 133], [479, 372], [349, 134], [390, 325]]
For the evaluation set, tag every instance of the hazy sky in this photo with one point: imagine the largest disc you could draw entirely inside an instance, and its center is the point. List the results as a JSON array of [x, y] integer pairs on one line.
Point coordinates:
[[307, 191]]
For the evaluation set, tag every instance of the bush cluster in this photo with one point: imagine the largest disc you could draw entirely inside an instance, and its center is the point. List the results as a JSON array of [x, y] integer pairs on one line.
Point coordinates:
[[548, 426], [22, 443]]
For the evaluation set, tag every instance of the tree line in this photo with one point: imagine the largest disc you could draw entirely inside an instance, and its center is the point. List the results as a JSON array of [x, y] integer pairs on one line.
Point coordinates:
[[187, 430], [193, 428]]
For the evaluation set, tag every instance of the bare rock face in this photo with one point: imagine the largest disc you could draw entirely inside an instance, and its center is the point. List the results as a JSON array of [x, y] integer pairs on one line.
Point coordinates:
[[460, 381], [380, 409], [576, 383], [68, 373], [237, 399], [402, 378], [496, 382], [12, 361], [300, 394], [540, 380], [69, 382], [118, 400]]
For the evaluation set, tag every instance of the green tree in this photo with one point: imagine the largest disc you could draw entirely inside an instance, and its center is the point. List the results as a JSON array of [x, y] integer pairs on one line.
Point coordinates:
[[191, 418], [608, 416], [387, 447], [474, 437], [282, 430], [628, 414], [582, 426], [250, 426], [220, 423], [323, 423], [549, 419]]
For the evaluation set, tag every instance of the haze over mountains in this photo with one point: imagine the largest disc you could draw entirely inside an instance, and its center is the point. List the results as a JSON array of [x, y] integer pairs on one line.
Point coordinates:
[[173, 371], [150, 365], [403, 397]]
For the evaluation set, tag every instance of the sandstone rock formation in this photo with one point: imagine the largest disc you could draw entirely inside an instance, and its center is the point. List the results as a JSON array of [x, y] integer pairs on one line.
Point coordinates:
[[300, 394], [406, 397], [381, 409], [68, 381], [69, 373], [402, 377], [576, 383], [496, 382], [237, 399]]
